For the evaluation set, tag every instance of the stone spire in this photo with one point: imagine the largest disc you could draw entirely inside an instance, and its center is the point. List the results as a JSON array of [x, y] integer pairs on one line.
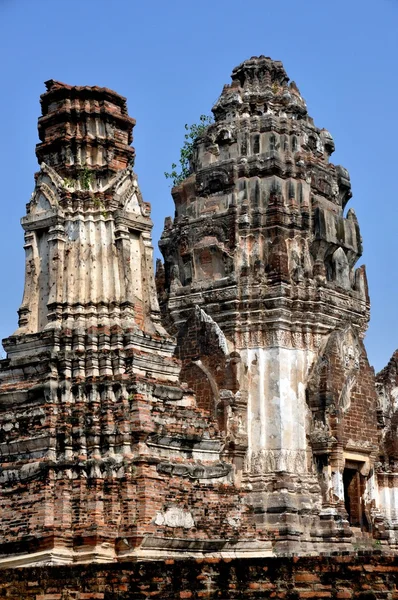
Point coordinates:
[[261, 244], [89, 392], [104, 454], [86, 197]]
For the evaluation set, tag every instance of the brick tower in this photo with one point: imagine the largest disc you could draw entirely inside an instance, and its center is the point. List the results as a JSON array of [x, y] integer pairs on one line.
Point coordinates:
[[260, 244], [99, 443]]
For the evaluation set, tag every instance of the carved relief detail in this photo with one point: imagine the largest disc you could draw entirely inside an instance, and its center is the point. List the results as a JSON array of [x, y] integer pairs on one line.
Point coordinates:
[[195, 470], [350, 353], [270, 461]]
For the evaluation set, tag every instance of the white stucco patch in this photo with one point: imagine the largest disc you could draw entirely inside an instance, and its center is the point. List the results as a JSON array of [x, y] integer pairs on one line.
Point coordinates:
[[175, 517], [338, 486], [277, 409]]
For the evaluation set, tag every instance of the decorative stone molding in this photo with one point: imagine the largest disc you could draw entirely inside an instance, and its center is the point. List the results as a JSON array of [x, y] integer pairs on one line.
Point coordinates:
[[195, 471], [202, 316], [321, 436], [271, 461]]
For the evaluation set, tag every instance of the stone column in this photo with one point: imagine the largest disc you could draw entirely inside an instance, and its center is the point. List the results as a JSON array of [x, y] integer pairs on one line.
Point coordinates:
[[27, 321], [56, 242]]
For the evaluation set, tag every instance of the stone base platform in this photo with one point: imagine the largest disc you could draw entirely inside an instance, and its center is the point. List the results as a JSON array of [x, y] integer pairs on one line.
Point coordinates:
[[364, 575]]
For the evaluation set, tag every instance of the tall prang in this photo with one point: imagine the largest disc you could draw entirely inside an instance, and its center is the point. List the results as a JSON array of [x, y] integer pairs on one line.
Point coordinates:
[[85, 152], [261, 244], [101, 448]]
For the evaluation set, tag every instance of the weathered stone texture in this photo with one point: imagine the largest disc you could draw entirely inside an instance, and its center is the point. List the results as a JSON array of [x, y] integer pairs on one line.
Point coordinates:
[[239, 418], [100, 444], [261, 245]]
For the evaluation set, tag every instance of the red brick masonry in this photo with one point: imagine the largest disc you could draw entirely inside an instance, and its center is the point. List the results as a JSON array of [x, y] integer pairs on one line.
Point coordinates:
[[366, 577]]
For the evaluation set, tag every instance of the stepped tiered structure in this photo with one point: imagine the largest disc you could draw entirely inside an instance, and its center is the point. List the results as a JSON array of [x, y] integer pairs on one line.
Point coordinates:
[[261, 244], [101, 447], [237, 418]]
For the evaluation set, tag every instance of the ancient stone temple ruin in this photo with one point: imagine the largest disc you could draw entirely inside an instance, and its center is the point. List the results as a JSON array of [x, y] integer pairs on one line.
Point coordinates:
[[230, 411]]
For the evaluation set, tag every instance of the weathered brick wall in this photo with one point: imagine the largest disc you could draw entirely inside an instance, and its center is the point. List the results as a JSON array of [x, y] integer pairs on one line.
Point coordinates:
[[364, 577], [200, 384], [360, 421], [351, 409]]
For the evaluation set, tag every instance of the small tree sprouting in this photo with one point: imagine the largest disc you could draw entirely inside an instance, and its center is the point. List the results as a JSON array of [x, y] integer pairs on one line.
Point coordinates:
[[193, 132]]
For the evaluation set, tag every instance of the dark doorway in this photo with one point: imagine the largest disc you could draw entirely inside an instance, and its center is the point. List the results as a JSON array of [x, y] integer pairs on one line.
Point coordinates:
[[354, 488]]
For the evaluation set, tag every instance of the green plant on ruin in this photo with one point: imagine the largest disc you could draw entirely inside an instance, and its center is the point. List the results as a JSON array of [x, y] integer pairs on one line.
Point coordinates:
[[84, 177], [98, 203], [275, 88], [69, 182], [193, 132]]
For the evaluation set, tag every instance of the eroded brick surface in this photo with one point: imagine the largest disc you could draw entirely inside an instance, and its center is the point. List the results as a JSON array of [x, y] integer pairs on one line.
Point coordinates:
[[240, 418], [359, 578]]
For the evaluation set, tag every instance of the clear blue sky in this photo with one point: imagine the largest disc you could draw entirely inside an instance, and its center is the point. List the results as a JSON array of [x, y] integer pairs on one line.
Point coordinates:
[[171, 60]]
